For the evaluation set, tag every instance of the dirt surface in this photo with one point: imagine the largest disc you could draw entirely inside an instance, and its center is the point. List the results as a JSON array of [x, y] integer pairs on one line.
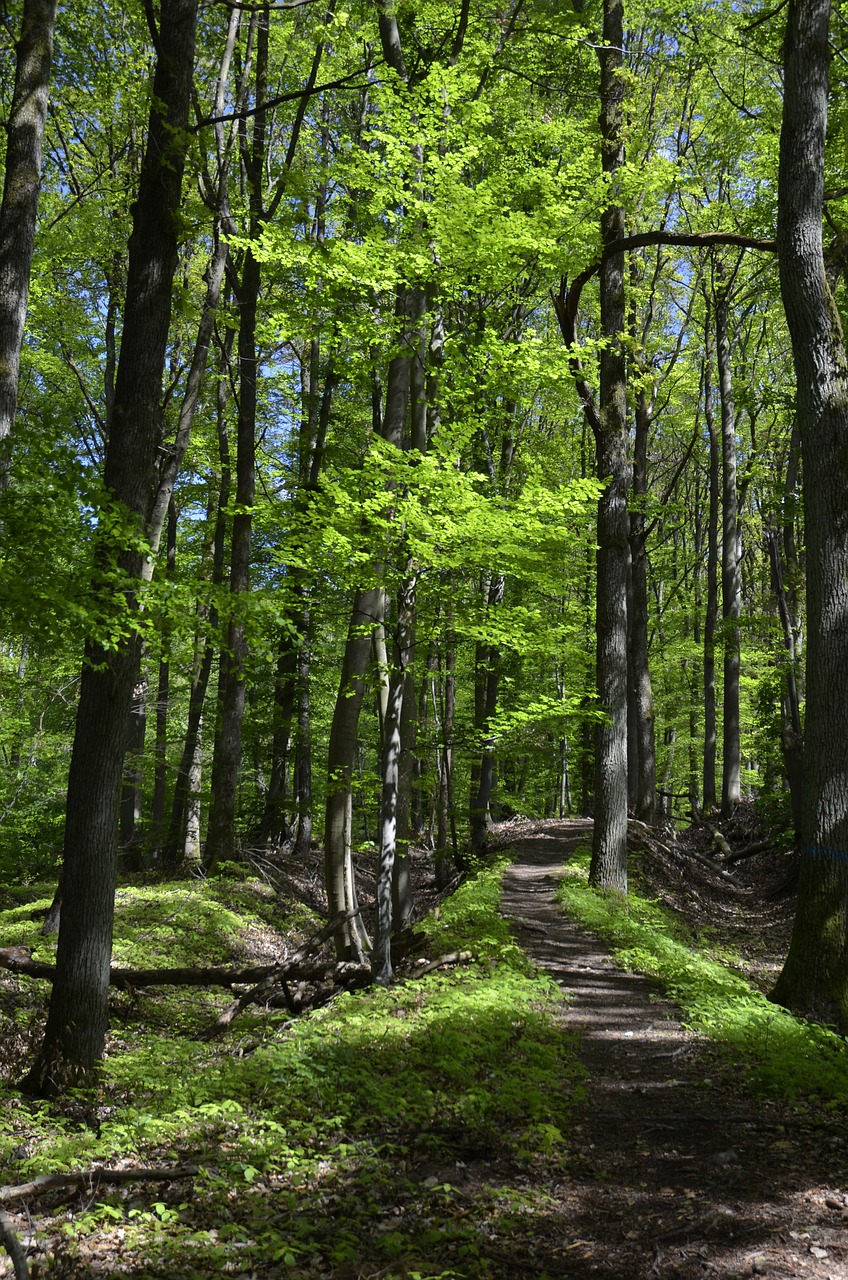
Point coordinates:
[[676, 1170]]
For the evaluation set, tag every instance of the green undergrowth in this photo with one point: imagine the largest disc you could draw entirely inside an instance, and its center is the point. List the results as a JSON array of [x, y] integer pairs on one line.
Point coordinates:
[[334, 1145], [782, 1056]]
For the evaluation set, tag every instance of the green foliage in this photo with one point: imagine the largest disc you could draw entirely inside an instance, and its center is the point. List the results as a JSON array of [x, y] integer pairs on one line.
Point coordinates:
[[317, 1135], [780, 1054]]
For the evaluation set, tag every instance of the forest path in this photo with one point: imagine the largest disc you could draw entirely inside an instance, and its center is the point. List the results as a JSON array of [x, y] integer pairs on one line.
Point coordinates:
[[675, 1169]]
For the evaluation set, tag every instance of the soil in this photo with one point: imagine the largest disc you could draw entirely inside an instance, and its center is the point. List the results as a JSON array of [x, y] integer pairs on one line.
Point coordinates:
[[675, 1169]]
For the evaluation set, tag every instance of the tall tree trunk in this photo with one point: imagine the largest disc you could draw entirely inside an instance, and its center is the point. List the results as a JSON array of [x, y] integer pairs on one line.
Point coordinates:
[[608, 868], [711, 615], [76, 1023], [163, 694], [21, 185], [731, 576], [814, 980], [642, 700]]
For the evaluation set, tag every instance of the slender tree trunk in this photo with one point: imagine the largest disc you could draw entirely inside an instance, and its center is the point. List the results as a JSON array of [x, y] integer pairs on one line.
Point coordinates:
[[160, 778], [814, 980], [21, 186], [76, 1023], [731, 577], [711, 614], [609, 843], [487, 681], [341, 754], [640, 671]]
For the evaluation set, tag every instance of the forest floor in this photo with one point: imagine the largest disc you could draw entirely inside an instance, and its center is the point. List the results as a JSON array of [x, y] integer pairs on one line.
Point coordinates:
[[675, 1168], [585, 1133]]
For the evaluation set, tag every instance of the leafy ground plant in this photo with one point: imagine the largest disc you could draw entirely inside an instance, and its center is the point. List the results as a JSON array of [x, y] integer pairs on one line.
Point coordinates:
[[782, 1055], [395, 1132]]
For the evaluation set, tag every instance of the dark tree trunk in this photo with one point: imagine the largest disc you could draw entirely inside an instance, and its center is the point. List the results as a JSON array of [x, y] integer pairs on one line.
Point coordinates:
[[21, 185], [642, 699], [76, 1024], [711, 615], [221, 838], [609, 843], [487, 681], [814, 980], [160, 778], [731, 576]]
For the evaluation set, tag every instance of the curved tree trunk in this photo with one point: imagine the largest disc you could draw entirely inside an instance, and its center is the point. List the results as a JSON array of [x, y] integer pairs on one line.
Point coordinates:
[[814, 980]]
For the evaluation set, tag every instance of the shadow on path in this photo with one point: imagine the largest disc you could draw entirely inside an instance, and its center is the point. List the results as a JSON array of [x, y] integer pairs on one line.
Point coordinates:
[[676, 1170]]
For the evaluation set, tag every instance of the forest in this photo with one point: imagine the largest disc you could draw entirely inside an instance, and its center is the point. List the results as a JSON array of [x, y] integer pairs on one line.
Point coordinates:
[[419, 420]]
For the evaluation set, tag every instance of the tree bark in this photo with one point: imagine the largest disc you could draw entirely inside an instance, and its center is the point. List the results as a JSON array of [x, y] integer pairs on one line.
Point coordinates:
[[814, 980], [608, 868], [76, 1024], [21, 186], [709, 798], [731, 577]]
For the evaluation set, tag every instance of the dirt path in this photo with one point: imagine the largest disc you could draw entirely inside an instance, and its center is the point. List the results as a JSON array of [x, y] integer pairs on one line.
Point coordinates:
[[676, 1171]]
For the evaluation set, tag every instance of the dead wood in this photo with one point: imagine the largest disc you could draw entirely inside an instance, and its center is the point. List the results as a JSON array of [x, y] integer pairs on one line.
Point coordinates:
[[16, 961], [91, 1178], [13, 1246], [453, 957], [274, 990], [738, 855]]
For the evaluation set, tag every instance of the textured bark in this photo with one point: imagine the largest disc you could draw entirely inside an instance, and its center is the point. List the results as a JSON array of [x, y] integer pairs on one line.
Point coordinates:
[[642, 696], [487, 682], [76, 1023], [731, 575], [21, 185], [609, 842], [709, 797], [814, 980]]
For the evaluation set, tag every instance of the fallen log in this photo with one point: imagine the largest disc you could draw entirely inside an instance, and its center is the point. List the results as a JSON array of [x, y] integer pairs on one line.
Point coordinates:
[[92, 1178], [16, 960]]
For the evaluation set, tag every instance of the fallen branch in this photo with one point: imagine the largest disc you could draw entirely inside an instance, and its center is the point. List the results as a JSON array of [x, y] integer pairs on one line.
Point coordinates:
[[453, 957], [92, 1177], [13, 1246], [739, 855], [274, 989], [16, 960]]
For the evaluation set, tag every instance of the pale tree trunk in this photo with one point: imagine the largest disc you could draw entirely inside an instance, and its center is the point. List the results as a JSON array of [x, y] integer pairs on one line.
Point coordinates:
[[608, 868], [21, 185], [814, 980], [402, 640], [76, 1024], [366, 614], [731, 575]]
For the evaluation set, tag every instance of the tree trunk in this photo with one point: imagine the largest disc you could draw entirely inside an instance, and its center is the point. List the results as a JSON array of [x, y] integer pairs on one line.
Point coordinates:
[[642, 699], [21, 185], [609, 842], [76, 1023], [487, 681], [731, 577], [341, 754], [814, 980], [709, 799]]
